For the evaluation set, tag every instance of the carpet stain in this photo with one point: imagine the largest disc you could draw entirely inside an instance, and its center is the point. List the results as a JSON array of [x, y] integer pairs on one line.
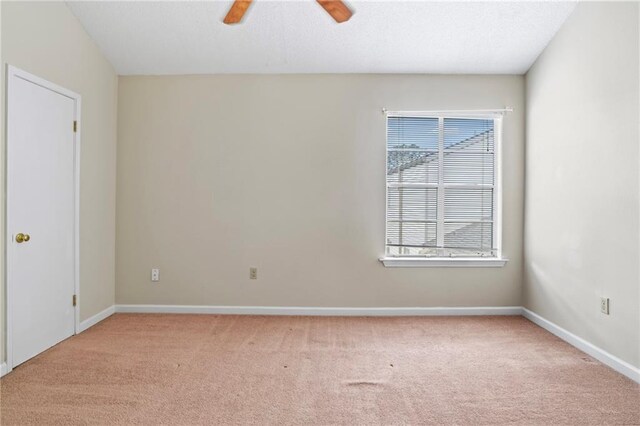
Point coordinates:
[[363, 383]]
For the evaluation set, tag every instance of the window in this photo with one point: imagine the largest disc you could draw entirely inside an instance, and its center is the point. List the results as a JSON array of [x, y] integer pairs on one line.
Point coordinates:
[[443, 198]]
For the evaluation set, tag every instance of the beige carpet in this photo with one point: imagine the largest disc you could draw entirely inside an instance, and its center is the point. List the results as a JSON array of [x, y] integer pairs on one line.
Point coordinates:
[[207, 369]]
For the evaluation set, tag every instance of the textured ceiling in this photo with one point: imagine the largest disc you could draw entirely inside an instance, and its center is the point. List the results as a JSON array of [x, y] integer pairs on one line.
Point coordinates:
[[299, 37]]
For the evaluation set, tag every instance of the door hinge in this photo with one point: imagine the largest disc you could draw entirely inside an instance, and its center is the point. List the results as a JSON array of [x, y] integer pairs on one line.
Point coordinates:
[[75, 126], [74, 300]]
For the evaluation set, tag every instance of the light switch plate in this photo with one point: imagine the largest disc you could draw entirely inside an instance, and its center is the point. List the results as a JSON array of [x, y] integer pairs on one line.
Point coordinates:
[[604, 305], [155, 275]]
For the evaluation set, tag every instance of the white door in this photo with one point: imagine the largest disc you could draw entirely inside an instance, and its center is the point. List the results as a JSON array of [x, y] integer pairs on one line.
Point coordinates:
[[40, 216]]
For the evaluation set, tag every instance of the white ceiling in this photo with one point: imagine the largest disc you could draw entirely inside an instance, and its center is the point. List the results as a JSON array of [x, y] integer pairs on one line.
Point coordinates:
[[187, 37]]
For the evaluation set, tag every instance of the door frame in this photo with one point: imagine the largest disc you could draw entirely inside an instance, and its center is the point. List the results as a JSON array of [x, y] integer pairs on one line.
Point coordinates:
[[12, 74]]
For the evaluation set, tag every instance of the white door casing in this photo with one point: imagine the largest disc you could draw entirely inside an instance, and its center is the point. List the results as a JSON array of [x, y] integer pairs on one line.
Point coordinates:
[[42, 201]]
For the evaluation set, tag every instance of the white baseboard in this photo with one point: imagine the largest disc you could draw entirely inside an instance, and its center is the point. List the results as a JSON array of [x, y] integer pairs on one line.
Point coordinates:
[[317, 311], [601, 355], [90, 322]]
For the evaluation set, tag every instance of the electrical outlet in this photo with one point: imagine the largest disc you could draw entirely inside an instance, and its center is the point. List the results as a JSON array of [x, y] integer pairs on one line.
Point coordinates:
[[253, 273], [155, 275], [604, 305]]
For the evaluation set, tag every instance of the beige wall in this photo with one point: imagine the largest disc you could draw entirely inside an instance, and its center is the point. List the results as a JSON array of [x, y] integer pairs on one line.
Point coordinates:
[[287, 173], [47, 40], [582, 207]]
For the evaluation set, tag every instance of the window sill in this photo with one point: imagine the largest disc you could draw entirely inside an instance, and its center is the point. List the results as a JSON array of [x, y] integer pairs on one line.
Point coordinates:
[[442, 262]]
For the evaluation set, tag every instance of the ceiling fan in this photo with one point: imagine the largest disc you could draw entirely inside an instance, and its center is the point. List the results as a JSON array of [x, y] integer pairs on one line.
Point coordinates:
[[336, 8]]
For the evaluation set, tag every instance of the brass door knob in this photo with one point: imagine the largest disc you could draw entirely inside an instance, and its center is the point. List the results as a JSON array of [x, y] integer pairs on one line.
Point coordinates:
[[22, 238]]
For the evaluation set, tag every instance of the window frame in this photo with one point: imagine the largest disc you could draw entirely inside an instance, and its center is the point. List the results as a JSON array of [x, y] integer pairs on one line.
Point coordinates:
[[452, 261]]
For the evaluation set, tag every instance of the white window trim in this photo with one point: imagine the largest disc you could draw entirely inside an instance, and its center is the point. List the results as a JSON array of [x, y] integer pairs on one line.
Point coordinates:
[[443, 262], [497, 261]]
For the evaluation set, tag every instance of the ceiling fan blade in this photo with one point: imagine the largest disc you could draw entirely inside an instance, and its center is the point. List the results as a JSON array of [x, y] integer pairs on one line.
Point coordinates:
[[236, 12], [337, 9]]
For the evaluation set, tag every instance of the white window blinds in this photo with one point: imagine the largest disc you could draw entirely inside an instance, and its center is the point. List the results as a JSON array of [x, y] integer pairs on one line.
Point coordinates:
[[441, 192]]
